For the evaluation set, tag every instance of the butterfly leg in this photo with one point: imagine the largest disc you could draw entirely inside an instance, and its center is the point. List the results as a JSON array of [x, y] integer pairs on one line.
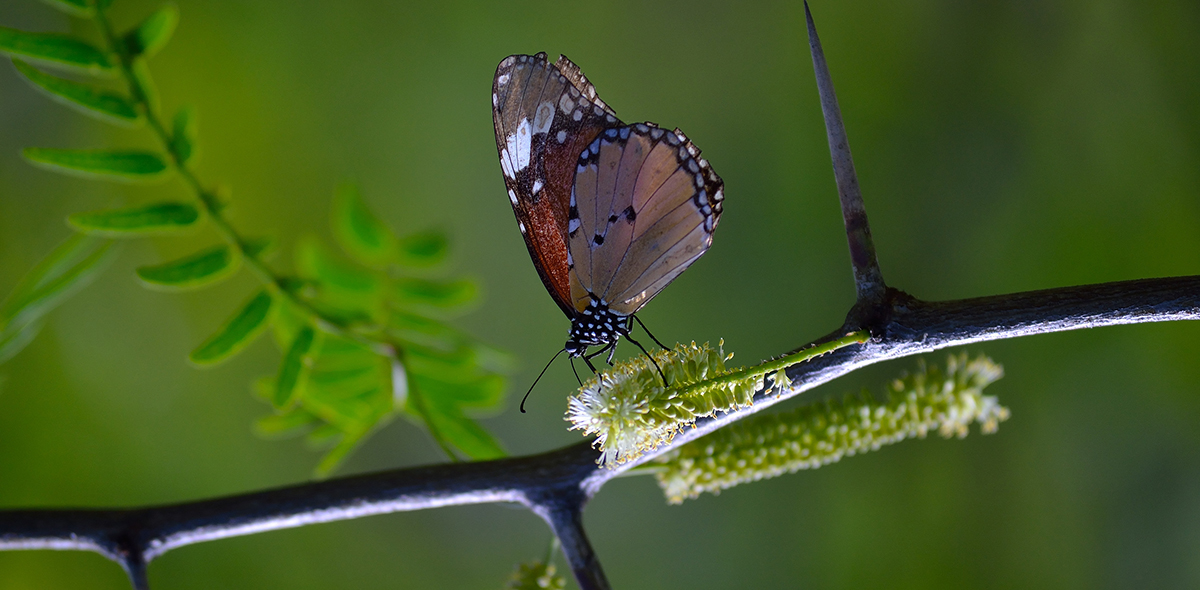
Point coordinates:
[[575, 371], [652, 361], [648, 332]]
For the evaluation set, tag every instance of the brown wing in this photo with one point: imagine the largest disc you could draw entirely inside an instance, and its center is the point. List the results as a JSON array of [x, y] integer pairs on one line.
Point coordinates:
[[643, 208], [545, 115]]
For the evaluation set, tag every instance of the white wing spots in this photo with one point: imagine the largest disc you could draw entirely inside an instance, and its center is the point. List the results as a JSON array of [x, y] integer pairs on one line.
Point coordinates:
[[543, 118], [566, 104], [599, 111], [699, 180], [573, 225], [512, 197], [518, 145], [506, 164], [693, 167], [495, 100], [502, 80], [521, 224], [562, 136], [577, 115], [537, 186], [624, 133], [611, 119]]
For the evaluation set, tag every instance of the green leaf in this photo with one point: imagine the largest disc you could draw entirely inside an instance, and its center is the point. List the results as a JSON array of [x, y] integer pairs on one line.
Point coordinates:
[[14, 339], [237, 333], [436, 297], [486, 391], [335, 456], [164, 217], [183, 134], [422, 249], [323, 436], [461, 431], [153, 33], [197, 270], [284, 425], [79, 8], [315, 261], [54, 49], [67, 268], [358, 231], [87, 99], [344, 290], [296, 364], [124, 165]]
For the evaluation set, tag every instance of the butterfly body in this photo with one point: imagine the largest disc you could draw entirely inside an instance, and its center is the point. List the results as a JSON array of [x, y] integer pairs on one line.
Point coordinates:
[[611, 213]]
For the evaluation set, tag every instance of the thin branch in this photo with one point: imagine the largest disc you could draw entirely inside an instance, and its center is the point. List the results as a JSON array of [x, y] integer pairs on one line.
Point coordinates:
[[543, 482], [868, 279], [563, 511]]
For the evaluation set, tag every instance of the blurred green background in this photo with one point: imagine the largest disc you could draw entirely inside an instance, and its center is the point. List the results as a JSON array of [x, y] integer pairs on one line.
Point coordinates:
[[1002, 146]]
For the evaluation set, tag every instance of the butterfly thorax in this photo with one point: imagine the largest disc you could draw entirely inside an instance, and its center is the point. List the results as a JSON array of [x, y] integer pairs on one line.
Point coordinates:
[[596, 325]]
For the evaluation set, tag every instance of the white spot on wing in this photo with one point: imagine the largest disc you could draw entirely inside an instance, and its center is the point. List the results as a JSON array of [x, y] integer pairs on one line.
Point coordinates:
[[562, 136], [518, 145], [573, 225], [537, 186], [495, 100], [503, 79], [521, 225], [512, 197], [506, 164]]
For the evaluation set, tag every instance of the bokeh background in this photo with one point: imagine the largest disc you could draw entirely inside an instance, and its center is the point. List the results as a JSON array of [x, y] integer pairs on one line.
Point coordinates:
[[1002, 146]]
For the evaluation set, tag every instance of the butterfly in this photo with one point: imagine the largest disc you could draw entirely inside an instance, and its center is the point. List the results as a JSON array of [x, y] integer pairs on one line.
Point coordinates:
[[611, 213]]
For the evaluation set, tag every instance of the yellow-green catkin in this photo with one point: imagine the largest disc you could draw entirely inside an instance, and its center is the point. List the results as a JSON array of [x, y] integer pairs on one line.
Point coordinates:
[[808, 437], [536, 575], [631, 412]]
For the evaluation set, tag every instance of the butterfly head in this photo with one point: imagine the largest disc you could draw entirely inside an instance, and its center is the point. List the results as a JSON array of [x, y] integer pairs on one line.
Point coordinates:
[[596, 325]]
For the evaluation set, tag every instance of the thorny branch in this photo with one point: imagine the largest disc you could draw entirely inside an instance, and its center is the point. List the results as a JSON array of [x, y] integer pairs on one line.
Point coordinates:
[[556, 485]]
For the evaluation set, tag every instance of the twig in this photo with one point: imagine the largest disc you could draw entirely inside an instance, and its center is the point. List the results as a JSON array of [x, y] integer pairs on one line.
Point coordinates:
[[910, 327]]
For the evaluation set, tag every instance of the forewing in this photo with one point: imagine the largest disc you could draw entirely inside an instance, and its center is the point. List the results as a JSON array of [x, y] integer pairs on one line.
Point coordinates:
[[545, 115], [643, 208]]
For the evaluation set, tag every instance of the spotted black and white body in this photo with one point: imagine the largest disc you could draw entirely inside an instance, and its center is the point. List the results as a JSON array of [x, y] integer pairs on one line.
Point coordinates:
[[611, 213]]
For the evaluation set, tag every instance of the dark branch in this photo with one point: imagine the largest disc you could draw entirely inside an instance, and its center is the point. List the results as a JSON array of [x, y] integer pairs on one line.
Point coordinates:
[[868, 279], [555, 485], [563, 511]]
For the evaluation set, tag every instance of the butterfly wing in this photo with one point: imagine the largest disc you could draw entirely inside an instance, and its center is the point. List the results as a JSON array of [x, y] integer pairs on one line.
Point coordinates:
[[643, 208], [545, 115]]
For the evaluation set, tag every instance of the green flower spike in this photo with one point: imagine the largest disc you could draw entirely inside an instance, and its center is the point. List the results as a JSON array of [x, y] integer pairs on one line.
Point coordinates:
[[632, 413], [808, 437]]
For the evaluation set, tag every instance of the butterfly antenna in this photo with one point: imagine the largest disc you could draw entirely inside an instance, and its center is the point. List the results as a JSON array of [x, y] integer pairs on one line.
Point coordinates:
[[539, 378], [652, 361], [648, 332]]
